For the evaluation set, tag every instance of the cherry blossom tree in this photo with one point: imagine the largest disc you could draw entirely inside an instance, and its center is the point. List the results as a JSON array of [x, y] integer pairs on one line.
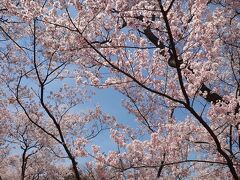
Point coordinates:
[[176, 62], [43, 98]]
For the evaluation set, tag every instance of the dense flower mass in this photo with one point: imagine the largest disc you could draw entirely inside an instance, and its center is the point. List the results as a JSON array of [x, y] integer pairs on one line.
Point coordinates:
[[176, 62]]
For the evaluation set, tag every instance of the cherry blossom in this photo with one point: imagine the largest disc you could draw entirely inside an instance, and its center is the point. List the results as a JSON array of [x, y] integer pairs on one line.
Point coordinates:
[[176, 63]]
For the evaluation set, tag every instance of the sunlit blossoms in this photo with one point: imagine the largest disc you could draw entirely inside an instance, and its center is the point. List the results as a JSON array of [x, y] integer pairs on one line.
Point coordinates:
[[175, 62]]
